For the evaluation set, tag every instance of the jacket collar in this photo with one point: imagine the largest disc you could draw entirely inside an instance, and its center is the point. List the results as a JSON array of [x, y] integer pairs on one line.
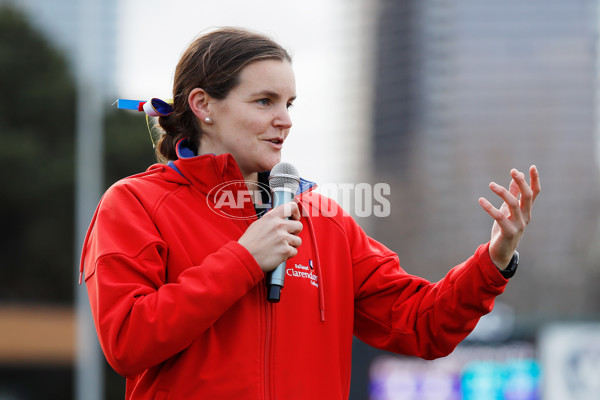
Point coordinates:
[[209, 170]]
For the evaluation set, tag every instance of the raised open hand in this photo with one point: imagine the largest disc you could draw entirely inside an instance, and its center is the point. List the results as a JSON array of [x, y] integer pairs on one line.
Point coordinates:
[[513, 216]]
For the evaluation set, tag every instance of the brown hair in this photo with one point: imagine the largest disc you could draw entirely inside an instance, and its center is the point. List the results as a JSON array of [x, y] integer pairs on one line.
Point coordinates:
[[212, 62]]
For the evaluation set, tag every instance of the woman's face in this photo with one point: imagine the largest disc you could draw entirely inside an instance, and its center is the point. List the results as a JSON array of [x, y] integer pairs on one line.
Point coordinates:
[[253, 121]]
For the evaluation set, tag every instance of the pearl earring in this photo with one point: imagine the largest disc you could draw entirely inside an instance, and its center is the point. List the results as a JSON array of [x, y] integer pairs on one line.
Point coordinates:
[[208, 120]]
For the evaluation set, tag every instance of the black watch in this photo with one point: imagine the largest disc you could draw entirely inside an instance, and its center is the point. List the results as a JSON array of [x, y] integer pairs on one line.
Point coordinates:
[[509, 271]]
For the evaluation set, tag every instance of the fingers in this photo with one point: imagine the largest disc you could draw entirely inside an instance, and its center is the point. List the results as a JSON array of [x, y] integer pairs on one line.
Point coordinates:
[[534, 177], [294, 241], [520, 196], [528, 192], [490, 209], [510, 198], [287, 210], [288, 231], [500, 217], [274, 237], [290, 216], [290, 213], [515, 213]]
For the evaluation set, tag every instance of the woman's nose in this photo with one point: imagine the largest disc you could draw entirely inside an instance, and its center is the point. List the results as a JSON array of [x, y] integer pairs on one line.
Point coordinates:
[[282, 119]]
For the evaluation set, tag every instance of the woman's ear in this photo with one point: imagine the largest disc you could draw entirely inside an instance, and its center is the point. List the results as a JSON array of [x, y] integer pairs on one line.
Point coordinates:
[[198, 101]]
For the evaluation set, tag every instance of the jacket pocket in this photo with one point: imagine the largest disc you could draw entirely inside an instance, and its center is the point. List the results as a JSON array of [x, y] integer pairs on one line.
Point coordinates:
[[161, 395]]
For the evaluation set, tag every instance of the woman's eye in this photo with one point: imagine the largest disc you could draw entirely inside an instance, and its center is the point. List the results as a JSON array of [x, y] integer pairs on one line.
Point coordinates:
[[263, 102], [289, 105]]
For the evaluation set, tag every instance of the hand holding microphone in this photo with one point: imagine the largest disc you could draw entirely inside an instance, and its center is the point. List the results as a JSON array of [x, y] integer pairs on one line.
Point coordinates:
[[273, 238]]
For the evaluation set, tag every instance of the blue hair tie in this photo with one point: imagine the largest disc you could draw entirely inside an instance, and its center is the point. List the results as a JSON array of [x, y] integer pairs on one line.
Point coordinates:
[[153, 107]]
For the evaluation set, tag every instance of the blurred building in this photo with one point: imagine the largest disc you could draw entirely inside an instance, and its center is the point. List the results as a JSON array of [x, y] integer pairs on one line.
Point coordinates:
[[467, 90]]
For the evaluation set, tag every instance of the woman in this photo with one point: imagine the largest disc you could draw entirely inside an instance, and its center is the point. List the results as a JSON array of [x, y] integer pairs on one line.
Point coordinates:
[[177, 290]]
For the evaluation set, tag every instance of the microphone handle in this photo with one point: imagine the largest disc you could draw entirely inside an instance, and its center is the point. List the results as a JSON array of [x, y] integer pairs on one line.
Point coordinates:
[[276, 277], [275, 283]]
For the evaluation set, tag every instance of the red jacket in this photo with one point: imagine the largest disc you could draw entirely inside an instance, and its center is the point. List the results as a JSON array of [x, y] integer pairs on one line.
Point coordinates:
[[180, 307]]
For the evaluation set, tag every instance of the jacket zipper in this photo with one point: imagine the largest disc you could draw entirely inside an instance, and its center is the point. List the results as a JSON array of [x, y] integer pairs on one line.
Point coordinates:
[[268, 340], [269, 316]]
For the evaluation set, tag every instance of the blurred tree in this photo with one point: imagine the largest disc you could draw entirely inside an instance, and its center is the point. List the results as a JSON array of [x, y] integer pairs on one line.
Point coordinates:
[[37, 132], [36, 156], [128, 145]]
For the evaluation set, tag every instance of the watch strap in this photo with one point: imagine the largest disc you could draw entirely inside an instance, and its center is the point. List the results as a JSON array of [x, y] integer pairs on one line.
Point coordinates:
[[509, 271]]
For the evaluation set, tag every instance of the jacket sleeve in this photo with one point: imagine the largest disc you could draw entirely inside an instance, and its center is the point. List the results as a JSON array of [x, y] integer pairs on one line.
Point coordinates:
[[399, 312], [140, 319]]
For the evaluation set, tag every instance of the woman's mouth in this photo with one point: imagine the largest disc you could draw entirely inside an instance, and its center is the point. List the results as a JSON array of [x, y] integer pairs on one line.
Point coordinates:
[[276, 142]]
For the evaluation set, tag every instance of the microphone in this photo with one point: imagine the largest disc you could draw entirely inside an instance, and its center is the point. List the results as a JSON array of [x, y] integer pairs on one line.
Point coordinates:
[[284, 181]]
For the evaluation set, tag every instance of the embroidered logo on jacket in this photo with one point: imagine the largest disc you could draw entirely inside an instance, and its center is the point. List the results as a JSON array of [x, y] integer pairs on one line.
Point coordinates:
[[304, 272]]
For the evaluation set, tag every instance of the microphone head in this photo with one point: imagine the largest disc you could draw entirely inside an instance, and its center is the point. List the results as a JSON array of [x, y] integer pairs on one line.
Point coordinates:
[[286, 176]]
